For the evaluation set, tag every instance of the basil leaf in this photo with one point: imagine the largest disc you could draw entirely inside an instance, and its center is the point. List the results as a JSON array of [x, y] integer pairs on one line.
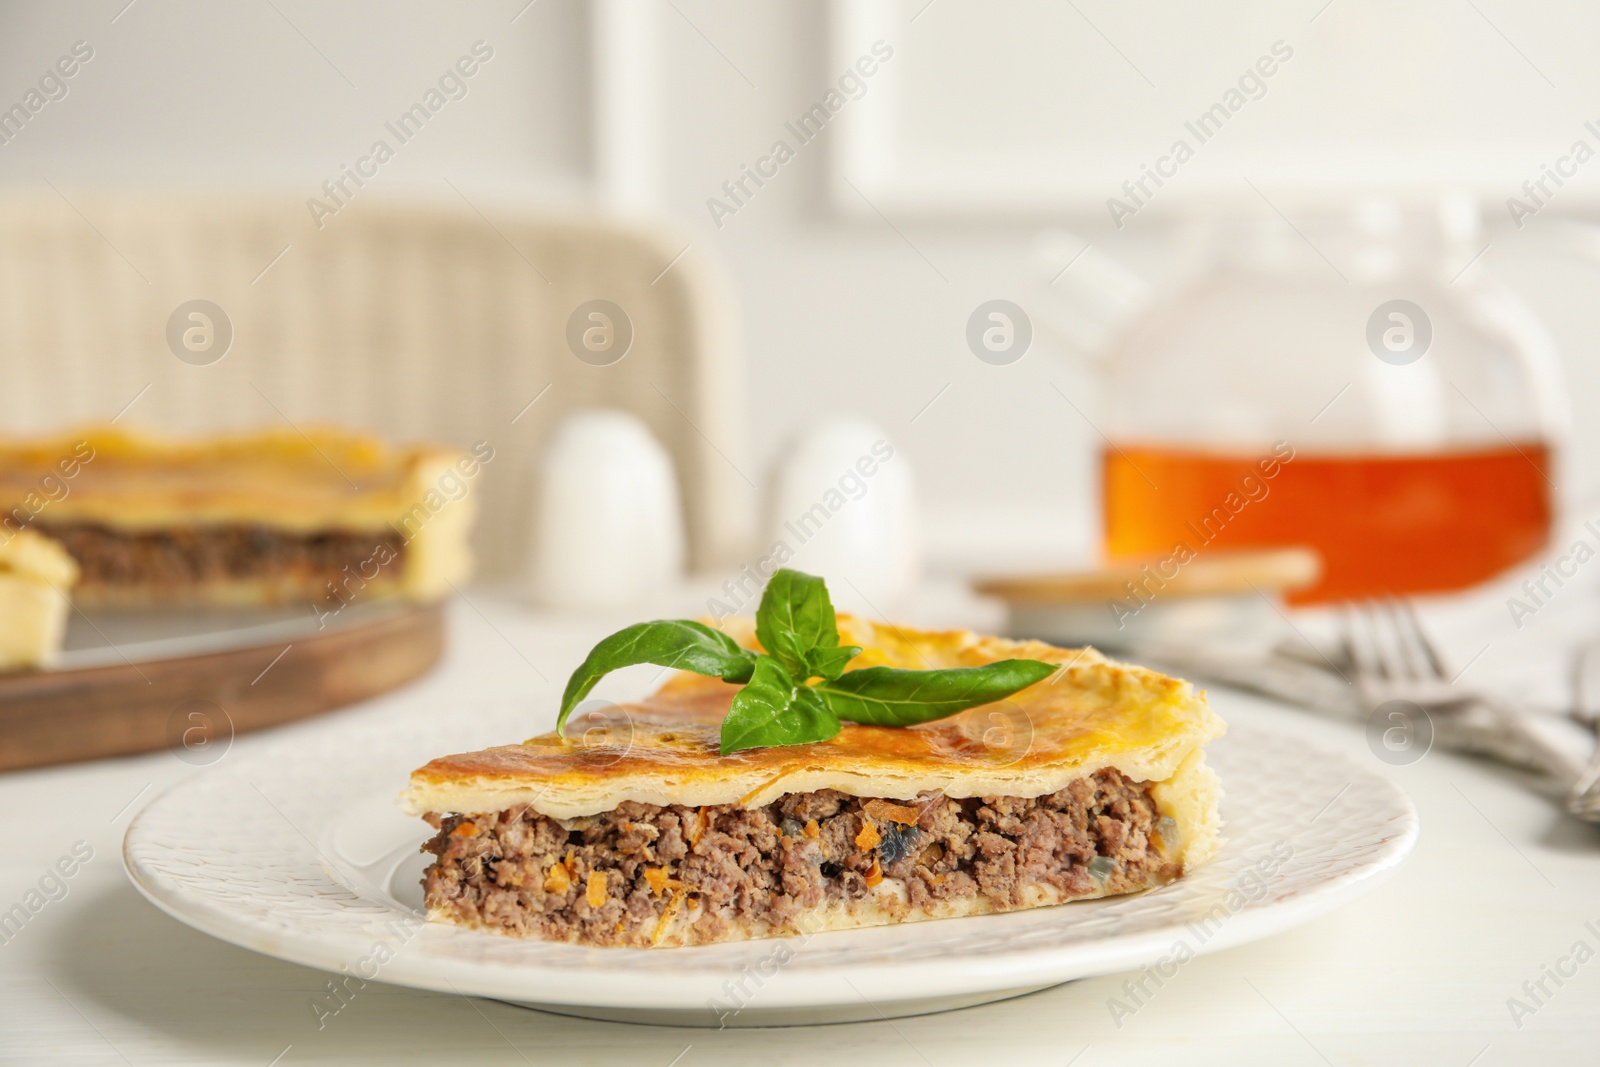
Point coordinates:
[[772, 709], [680, 643], [797, 626], [829, 663], [890, 696]]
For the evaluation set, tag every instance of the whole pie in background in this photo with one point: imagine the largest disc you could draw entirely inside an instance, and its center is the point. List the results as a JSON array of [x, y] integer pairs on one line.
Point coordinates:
[[270, 517]]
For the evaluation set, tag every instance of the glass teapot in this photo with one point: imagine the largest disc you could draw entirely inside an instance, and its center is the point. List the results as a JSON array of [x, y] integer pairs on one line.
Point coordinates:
[[1354, 382]]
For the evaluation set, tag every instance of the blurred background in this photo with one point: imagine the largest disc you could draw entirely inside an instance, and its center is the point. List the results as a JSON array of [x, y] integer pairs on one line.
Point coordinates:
[[1255, 342], [975, 163]]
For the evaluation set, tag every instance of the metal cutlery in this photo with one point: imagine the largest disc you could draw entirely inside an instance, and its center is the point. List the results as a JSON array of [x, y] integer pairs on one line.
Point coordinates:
[[1394, 660], [1584, 799]]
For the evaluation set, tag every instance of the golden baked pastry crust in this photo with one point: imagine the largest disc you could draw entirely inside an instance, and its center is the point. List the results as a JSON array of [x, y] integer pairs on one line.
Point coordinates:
[[280, 478], [34, 557], [1091, 715], [35, 576]]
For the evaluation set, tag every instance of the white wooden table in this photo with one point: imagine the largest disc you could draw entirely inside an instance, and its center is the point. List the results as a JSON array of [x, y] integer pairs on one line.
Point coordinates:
[[1420, 972]]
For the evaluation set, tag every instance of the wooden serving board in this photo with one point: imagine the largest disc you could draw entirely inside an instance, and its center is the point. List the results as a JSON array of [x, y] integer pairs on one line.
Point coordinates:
[[196, 684]]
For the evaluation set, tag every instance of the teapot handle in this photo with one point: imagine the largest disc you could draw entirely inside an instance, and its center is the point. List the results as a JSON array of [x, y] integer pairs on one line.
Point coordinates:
[[1571, 239]]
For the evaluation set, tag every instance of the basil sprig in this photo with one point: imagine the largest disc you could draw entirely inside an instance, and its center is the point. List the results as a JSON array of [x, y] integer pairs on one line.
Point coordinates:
[[798, 691], [797, 627]]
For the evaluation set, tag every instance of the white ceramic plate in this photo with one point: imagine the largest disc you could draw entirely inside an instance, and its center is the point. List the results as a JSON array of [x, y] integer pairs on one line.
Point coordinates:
[[309, 859]]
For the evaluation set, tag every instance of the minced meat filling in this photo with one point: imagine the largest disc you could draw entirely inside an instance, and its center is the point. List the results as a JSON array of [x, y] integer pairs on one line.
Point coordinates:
[[185, 556], [617, 878]]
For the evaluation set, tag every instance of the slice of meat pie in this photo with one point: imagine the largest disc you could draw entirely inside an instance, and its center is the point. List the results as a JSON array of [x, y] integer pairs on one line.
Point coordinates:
[[35, 577], [634, 831], [327, 516]]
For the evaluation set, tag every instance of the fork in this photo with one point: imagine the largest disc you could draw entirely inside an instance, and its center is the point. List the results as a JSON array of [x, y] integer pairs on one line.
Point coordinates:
[[1394, 660], [1392, 657], [1584, 800]]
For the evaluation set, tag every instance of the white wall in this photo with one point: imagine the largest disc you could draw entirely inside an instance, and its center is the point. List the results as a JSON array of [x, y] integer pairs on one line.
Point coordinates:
[[207, 94], [843, 309]]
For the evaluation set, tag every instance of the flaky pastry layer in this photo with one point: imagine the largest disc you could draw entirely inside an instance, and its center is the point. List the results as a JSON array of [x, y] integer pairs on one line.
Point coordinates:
[[36, 575]]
